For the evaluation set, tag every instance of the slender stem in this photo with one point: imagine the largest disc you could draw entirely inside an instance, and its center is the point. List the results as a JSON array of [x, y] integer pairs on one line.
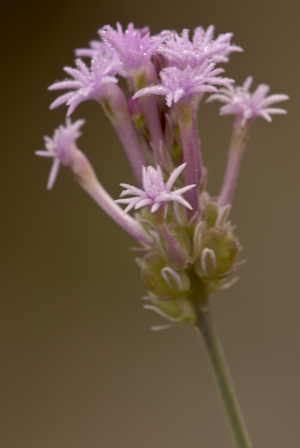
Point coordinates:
[[149, 106], [129, 140], [236, 150], [83, 173], [129, 224], [205, 325], [187, 121], [176, 253], [115, 107]]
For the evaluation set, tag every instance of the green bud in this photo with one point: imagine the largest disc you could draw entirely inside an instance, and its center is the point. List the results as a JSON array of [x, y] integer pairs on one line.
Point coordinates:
[[151, 266], [145, 214], [179, 308], [169, 307], [161, 279], [225, 246], [211, 214], [178, 282], [181, 236]]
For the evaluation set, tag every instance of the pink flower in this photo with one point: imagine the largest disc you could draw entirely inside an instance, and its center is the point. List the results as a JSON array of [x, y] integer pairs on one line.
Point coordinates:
[[180, 84], [155, 192], [87, 83], [135, 47], [239, 101], [60, 147], [181, 52]]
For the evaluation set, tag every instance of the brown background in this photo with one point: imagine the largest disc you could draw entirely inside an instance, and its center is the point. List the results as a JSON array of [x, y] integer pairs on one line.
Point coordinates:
[[79, 365]]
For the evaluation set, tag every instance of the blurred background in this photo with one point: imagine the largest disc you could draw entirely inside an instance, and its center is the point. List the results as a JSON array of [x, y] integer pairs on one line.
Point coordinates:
[[79, 365]]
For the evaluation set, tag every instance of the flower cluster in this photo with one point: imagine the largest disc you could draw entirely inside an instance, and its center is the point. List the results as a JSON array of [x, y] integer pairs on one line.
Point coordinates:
[[189, 243]]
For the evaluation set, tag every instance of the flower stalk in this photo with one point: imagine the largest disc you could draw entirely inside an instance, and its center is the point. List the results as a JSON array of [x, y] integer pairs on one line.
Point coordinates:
[[191, 150], [206, 327], [237, 146], [149, 107], [176, 253], [116, 109], [93, 187]]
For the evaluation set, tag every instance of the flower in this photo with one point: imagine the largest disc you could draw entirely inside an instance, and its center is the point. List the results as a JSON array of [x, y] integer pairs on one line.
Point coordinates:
[[105, 53], [156, 192], [181, 52], [203, 39], [135, 47], [88, 84], [96, 48], [178, 84], [239, 101], [61, 146]]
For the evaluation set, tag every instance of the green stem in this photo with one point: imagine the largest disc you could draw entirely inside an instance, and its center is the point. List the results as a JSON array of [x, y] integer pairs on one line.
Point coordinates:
[[205, 325]]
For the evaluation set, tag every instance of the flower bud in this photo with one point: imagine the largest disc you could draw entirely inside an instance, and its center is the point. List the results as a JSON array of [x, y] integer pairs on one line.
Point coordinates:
[[208, 262], [151, 266], [211, 214], [175, 310], [161, 279], [197, 240], [181, 236], [178, 282], [225, 247]]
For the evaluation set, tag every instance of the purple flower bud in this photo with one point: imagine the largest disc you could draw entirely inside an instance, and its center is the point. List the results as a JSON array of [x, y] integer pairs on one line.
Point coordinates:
[[155, 192]]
